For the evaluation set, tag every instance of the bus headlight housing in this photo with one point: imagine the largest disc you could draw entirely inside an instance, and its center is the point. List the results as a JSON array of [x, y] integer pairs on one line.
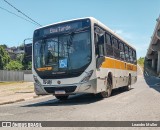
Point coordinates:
[[47, 81], [36, 79], [87, 76]]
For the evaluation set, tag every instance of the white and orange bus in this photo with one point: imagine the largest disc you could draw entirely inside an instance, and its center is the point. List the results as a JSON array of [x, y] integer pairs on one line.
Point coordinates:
[[81, 56]]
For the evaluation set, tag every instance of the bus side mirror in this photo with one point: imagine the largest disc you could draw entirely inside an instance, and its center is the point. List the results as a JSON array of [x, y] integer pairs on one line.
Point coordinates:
[[99, 61], [101, 40]]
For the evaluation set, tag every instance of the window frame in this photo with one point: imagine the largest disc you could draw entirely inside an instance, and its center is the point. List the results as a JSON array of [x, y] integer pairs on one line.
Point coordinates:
[[121, 48], [112, 40], [115, 40], [106, 40]]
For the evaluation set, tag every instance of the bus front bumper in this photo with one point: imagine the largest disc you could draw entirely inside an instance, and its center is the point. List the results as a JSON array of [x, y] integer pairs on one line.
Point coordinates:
[[88, 87]]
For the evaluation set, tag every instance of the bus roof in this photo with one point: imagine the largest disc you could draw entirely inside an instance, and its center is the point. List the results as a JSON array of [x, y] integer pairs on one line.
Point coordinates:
[[95, 21]]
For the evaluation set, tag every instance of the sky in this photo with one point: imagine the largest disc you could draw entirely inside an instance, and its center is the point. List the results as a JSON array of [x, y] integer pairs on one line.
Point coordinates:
[[133, 20]]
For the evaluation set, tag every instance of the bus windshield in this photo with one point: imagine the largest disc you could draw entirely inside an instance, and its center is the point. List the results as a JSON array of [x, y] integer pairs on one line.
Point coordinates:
[[63, 53]]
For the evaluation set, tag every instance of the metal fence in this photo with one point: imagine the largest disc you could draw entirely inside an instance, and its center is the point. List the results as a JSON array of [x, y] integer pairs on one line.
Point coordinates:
[[6, 75], [11, 75]]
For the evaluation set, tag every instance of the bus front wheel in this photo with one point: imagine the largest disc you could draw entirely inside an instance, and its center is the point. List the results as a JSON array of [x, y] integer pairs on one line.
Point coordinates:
[[62, 97], [108, 91]]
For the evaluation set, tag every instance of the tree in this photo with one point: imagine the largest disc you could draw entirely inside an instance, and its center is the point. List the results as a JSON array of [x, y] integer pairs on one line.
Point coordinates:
[[4, 46], [4, 57], [20, 57], [29, 67], [21, 47], [141, 61], [27, 63], [14, 65]]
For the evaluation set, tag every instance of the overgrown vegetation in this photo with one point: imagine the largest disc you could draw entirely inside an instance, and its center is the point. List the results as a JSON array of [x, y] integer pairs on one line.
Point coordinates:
[[4, 57], [14, 65], [141, 62], [20, 63]]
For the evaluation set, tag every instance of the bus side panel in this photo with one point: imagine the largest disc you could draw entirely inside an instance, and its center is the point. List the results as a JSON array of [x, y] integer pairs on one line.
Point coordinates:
[[102, 74], [120, 71]]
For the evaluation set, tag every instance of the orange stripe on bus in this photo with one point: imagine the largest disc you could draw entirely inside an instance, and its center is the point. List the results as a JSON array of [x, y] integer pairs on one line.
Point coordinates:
[[117, 64]]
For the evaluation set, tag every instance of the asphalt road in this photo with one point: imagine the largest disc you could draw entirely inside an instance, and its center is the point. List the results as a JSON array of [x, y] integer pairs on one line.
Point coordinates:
[[141, 103]]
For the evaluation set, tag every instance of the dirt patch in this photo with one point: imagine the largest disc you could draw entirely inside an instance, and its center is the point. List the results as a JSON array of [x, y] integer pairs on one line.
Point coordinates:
[[15, 87], [15, 92]]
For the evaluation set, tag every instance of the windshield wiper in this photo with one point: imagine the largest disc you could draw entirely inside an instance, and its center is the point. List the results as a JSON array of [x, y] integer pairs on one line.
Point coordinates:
[[70, 40], [69, 43]]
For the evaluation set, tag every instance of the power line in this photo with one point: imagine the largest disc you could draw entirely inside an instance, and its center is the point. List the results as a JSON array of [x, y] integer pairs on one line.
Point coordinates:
[[22, 13], [17, 15]]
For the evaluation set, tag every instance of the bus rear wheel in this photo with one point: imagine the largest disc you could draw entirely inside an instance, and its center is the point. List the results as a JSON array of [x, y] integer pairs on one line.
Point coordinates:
[[108, 91], [62, 97]]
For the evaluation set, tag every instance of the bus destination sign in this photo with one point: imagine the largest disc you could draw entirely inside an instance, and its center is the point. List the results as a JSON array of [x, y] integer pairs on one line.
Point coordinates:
[[62, 28]]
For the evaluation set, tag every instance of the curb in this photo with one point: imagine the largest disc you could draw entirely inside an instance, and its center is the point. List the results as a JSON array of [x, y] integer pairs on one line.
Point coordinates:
[[19, 100], [9, 102], [36, 96]]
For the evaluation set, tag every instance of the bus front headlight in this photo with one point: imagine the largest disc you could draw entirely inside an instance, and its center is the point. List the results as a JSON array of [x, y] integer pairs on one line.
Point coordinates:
[[36, 79], [87, 76]]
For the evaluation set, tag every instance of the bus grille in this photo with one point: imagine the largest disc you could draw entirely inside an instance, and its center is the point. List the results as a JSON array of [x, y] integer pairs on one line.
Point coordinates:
[[67, 89]]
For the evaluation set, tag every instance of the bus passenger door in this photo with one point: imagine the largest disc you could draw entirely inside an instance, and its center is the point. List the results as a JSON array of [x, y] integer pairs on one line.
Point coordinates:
[[100, 58]]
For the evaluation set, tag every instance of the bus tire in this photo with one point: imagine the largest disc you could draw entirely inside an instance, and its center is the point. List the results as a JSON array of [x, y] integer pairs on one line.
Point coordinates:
[[128, 87], [60, 97], [108, 91]]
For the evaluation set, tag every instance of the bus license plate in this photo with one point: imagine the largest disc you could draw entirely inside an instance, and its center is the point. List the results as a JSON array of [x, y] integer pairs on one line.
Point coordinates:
[[60, 92]]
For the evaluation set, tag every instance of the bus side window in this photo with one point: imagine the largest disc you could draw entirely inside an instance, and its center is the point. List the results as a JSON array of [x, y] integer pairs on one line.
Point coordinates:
[[108, 39], [95, 42], [99, 40], [116, 48], [99, 47], [109, 48], [121, 48], [126, 53], [130, 56], [134, 57]]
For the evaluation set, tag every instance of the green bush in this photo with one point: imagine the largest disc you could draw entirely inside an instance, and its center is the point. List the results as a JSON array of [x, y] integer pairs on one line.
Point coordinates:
[[141, 61], [14, 65], [4, 57]]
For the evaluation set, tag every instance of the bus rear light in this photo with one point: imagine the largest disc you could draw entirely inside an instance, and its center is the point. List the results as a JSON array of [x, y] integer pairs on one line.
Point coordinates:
[[87, 76]]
